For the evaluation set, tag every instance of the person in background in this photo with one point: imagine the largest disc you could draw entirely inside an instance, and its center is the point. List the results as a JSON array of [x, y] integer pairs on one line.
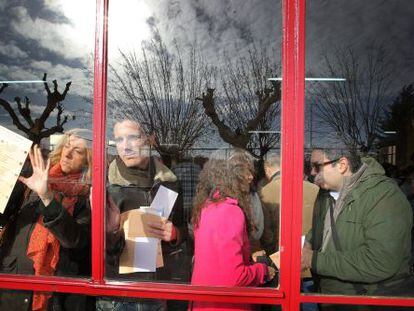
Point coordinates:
[[270, 197], [222, 220], [50, 231], [187, 172]]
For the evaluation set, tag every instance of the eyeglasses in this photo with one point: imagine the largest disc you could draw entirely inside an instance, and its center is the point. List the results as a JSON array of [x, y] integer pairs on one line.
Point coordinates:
[[317, 166]]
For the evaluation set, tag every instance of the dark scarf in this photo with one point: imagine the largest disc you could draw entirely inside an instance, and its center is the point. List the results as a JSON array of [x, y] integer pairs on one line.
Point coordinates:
[[43, 246], [136, 176]]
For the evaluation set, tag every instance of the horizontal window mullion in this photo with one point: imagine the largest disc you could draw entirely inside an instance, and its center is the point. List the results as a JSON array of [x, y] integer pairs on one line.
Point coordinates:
[[142, 290], [358, 300]]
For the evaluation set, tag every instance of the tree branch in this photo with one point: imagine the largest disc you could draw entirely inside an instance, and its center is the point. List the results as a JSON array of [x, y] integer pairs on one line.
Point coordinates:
[[53, 130], [237, 139], [4, 85], [52, 100], [24, 111], [14, 117], [264, 105]]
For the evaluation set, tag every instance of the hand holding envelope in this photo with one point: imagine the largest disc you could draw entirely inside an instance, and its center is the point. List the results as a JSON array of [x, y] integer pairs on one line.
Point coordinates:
[[144, 228], [142, 251], [162, 229]]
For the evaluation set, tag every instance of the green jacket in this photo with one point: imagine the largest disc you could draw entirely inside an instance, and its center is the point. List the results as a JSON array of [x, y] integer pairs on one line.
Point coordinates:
[[374, 230]]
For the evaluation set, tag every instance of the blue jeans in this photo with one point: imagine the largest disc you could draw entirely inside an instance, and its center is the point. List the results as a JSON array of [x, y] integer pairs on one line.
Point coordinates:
[[307, 288], [109, 304]]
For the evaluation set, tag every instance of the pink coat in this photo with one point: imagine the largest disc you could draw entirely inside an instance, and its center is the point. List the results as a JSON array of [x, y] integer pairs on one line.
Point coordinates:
[[222, 253]]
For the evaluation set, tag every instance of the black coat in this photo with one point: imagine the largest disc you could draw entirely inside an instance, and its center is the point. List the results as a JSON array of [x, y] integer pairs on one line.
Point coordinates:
[[132, 197], [73, 233], [127, 197]]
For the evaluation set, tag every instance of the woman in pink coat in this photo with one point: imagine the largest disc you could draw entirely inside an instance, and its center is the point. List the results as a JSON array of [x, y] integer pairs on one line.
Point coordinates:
[[222, 221]]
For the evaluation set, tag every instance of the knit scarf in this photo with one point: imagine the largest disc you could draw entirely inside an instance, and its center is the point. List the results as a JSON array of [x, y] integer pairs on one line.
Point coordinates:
[[347, 186], [43, 248], [136, 176]]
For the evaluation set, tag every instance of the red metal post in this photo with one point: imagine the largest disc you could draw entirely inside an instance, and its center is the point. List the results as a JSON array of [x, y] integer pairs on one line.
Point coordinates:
[[293, 88], [99, 150]]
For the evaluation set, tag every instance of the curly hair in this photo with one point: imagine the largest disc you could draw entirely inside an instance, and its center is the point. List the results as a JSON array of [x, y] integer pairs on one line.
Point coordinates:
[[220, 179], [241, 157]]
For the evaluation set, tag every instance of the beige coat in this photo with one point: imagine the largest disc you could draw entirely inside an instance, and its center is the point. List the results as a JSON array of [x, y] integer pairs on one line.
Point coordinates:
[[270, 197]]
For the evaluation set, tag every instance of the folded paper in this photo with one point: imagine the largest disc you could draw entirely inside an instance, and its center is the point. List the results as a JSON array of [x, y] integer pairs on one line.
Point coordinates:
[[14, 149], [142, 251]]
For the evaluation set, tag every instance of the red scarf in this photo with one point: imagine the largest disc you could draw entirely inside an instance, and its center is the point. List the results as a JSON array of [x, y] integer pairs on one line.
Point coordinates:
[[43, 246]]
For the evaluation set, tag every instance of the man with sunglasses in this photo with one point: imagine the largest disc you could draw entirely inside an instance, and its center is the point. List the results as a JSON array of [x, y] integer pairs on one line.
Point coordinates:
[[361, 234]]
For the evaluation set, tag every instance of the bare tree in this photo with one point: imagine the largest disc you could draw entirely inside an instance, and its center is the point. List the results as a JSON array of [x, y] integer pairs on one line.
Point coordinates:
[[158, 88], [36, 129], [246, 110], [353, 108]]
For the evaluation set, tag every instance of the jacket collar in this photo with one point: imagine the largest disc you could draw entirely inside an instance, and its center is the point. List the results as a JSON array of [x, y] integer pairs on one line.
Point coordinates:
[[162, 174]]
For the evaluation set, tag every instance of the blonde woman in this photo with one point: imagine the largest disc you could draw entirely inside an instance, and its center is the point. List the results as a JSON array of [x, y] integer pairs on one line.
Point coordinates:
[[50, 232]]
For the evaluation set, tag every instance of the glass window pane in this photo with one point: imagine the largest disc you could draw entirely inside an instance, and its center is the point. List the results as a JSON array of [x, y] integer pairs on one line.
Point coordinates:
[[46, 101], [359, 146], [187, 86]]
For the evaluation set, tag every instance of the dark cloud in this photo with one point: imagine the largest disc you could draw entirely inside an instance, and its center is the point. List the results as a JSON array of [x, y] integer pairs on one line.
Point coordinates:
[[357, 24]]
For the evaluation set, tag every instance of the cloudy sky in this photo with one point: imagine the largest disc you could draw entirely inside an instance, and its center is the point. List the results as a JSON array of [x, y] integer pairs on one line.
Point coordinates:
[[56, 36], [52, 37]]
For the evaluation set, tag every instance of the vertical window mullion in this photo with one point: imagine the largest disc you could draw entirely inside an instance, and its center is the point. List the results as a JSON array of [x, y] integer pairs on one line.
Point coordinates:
[[293, 78], [99, 150]]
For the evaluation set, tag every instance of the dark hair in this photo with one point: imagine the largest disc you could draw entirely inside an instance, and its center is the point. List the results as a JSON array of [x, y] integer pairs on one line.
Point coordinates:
[[224, 178], [352, 155]]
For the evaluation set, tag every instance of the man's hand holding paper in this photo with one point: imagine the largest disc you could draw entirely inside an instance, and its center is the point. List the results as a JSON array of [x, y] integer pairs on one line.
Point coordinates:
[[144, 228], [163, 203], [163, 229]]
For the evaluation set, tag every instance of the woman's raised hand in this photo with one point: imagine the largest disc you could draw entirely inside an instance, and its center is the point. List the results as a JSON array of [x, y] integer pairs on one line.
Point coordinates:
[[38, 181]]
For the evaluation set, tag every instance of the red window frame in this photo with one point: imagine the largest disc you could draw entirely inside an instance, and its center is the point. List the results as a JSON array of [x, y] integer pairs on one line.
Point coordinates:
[[292, 141]]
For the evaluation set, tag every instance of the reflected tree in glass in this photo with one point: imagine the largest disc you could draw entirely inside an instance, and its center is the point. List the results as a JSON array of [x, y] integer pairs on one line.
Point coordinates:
[[158, 87], [353, 109]]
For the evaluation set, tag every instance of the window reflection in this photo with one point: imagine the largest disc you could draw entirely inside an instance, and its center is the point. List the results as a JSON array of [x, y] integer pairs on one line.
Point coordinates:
[[46, 223], [45, 115], [190, 89], [354, 141]]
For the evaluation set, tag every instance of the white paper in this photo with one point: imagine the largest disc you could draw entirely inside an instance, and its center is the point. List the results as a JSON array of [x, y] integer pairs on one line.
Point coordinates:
[[14, 149], [150, 210], [164, 201], [303, 240], [145, 256]]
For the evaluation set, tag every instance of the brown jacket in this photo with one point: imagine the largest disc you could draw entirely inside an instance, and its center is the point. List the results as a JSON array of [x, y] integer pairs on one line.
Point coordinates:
[[270, 197]]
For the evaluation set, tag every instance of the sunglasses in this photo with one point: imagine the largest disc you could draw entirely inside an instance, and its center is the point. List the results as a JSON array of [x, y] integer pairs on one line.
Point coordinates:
[[318, 166]]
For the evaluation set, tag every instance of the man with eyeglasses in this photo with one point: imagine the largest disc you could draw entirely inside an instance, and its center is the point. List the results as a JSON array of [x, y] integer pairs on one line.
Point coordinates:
[[361, 234], [134, 177]]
